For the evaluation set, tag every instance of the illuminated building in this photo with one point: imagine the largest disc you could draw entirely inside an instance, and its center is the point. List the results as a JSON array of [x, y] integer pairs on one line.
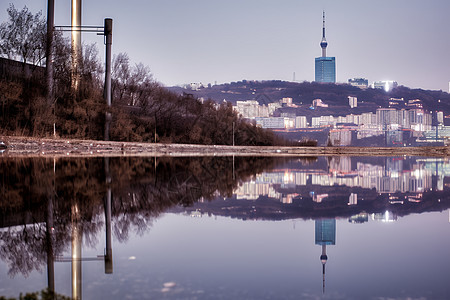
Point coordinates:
[[386, 85]]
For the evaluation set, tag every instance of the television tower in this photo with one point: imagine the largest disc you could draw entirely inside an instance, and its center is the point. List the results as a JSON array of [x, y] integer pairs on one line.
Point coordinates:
[[324, 43]]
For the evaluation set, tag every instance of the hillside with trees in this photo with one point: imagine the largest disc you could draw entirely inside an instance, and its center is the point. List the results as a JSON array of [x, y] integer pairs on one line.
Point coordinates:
[[303, 93], [142, 109]]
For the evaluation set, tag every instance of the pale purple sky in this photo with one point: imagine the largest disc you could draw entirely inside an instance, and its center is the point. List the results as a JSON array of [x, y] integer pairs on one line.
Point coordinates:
[[209, 41]]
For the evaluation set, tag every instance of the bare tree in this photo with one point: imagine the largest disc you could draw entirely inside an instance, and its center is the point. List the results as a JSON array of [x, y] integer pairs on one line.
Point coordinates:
[[140, 84], [23, 36], [121, 75]]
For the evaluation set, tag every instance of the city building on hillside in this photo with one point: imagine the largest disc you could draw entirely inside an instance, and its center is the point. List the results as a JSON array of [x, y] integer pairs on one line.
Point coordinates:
[[352, 101], [323, 121], [440, 117], [387, 117], [273, 107], [282, 122], [368, 119], [300, 122], [438, 133], [393, 119], [287, 101], [340, 137], [319, 103], [362, 83], [325, 66], [251, 109], [420, 120], [287, 115], [417, 103], [272, 122], [195, 86], [386, 85], [396, 102]]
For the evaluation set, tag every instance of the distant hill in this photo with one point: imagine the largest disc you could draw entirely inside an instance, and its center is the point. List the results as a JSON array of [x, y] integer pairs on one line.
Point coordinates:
[[335, 95]]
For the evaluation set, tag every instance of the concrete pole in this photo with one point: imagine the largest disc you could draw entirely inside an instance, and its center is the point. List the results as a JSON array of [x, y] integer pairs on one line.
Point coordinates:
[[108, 37], [49, 59], [76, 43], [49, 50]]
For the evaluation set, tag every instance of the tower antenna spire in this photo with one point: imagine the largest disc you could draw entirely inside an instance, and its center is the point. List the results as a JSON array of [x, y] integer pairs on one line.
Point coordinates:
[[323, 43], [325, 67], [323, 22]]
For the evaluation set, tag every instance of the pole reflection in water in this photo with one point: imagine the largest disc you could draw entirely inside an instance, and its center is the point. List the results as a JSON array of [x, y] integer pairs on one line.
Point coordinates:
[[77, 237], [49, 235], [76, 258], [108, 251]]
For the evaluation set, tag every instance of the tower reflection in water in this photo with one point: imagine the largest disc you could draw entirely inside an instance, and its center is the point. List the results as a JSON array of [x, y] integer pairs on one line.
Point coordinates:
[[325, 234]]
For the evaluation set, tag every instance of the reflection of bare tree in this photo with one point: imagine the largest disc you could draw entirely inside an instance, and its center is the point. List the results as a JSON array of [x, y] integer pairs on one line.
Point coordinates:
[[142, 189], [23, 248], [27, 187], [147, 187]]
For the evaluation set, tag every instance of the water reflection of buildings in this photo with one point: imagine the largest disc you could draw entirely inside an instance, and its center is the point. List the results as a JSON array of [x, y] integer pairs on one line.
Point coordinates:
[[363, 217], [396, 175]]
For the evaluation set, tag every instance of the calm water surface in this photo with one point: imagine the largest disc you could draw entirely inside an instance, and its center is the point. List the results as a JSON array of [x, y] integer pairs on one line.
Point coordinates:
[[226, 228]]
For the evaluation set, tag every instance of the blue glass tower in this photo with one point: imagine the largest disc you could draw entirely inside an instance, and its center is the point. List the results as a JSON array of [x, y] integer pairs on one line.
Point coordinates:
[[325, 66], [325, 69], [325, 232]]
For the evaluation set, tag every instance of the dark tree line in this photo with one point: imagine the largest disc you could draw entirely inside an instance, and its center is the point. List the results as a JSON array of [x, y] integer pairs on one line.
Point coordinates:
[[143, 110], [142, 189]]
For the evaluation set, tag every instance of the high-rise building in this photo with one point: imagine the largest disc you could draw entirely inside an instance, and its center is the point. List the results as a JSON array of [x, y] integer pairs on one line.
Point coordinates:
[[325, 66]]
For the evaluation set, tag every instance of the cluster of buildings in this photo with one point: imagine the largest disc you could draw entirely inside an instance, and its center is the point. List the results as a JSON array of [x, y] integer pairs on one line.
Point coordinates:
[[401, 118]]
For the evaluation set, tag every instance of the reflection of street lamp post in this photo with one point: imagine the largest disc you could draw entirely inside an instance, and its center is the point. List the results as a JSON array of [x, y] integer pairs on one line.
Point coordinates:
[[108, 250], [76, 252], [77, 238], [49, 236]]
